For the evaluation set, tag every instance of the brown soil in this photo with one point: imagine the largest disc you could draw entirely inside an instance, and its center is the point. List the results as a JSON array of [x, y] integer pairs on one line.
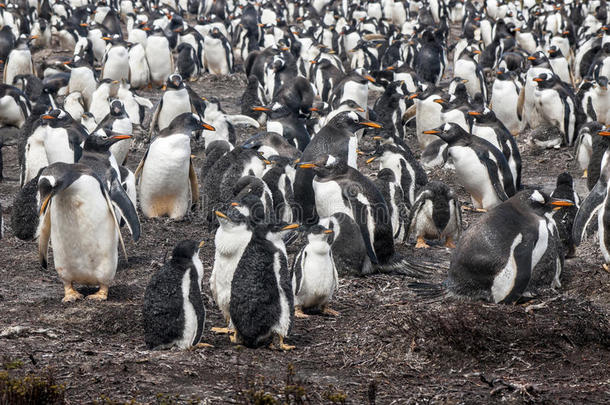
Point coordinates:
[[386, 346]]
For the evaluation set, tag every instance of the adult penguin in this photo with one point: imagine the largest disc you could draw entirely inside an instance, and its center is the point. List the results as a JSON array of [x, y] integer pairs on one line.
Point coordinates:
[[394, 197], [352, 86], [85, 249], [340, 188], [279, 178], [262, 300], [15, 106], [527, 98], [168, 182], [173, 311], [159, 57], [115, 64], [468, 69], [504, 99], [599, 146], [7, 42], [488, 127], [523, 253], [479, 166], [175, 101], [564, 216], [218, 53], [429, 60], [584, 146], [337, 138], [63, 137], [187, 64], [19, 60], [286, 122]]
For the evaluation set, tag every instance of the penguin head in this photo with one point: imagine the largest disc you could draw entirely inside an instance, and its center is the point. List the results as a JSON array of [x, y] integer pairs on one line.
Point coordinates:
[[351, 121], [319, 233], [483, 116], [326, 165], [386, 175], [56, 118], [174, 81], [544, 81], [538, 58], [602, 82], [53, 179], [449, 132], [234, 215], [565, 179], [101, 142], [555, 52], [186, 253], [540, 202], [117, 108], [186, 123]]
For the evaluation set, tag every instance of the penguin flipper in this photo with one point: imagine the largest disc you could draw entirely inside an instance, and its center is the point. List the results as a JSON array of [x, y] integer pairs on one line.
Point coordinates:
[[409, 114], [154, 119], [587, 210], [141, 165], [522, 255], [194, 184], [492, 169], [121, 201], [44, 236], [238, 119], [144, 102], [520, 103], [417, 205]]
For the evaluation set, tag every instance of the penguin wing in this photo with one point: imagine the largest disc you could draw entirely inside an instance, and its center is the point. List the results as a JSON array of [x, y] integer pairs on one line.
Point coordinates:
[[155, 118], [587, 211], [520, 103], [142, 101], [44, 235], [409, 114], [194, 184], [123, 203], [417, 206], [492, 169], [238, 119], [141, 164], [522, 255], [297, 270], [197, 302]]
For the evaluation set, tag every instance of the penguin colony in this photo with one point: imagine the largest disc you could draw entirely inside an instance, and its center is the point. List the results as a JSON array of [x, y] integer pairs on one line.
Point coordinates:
[[312, 68]]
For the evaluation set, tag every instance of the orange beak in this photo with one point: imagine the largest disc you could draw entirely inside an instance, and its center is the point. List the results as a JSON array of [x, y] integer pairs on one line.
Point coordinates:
[[432, 132], [439, 101], [604, 133], [474, 113], [371, 124], [537, 79], [260, 109], [531, 58], [369, 78], [121, 137], [208, 126]]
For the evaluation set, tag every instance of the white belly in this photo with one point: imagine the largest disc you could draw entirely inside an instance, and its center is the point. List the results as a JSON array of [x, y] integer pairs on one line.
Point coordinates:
[[329, 199], [19, 63], [174, 104]]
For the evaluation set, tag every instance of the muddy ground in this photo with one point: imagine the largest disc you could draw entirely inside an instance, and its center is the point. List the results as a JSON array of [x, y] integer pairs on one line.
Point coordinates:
[[386, 346]]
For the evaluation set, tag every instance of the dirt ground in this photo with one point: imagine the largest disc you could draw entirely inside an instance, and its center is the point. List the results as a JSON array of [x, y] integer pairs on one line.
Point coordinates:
[[386, 347]]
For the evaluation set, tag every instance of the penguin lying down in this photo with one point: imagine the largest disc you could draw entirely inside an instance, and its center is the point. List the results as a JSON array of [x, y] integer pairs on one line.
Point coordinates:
[[513, 252]]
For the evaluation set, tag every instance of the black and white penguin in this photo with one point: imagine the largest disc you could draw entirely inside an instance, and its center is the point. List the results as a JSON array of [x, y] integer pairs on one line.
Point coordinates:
[[314, 274], [115, 64], [15, 106], [19, 60], [564, 215], [479, 166], [599, 145], [100, 98], [348, 248], [186, 63], [279, 178], [159, 57], [469, 69], [560, 65], [63, 137], [287, 123], [430, 60], [436, 214], [139, 71], [504, 99], [523, 253], [218, 53], [393, 195], [117, 122], [340, 188], [352, 86], [223, 122], [173, 311], [175, 101], [85, 250], [262, 299], [167, 179], [253, 97], [584, 146]]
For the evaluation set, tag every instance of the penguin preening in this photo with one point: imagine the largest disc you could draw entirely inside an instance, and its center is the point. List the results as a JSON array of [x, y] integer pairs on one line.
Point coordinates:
[[173, 311]]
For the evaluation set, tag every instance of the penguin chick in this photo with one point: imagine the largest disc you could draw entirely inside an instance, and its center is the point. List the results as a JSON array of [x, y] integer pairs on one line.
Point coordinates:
[[24, 215], [262, 300], [564, 216], [314, 273], [173, 310], [436, 215]]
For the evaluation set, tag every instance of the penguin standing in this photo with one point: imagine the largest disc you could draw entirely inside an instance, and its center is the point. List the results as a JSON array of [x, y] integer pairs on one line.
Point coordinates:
[[584, 146], [187, 64], [85, 249], [15, 107], [314, 273], [517, 237], [173, 311], [436, 214], [159, 57], [19, 60], [117, 122], [139, 72], [479, 166], [115, 64], [393, 195], [262, 299], [468, 69], [504, 99], [564, 216], [167, 179], [429, 60], [218, 53], [175, 101]]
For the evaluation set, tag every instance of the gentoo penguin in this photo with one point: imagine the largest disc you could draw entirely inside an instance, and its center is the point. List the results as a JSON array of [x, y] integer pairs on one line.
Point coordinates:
[[167, 179], [314, 274], [469, 69], [139, 72], [279, 178], [135, 106], [187, 64], [231, 240], [430, 61], [223, 122], [340, 188], [85, 250], [557, 105], [584, 145], [63, 137], [100, 99], [436, 214], [286, 122], [15, 106], [117, 123], [516, 236], [173, 311], [348, 249], [488, 127], [262, 299], [218, 53], [24, 215], [74, 104], [253, 96], [564, 216], [504, 99], [560, 65], [19, 61], [527, 98], [352, 86], [175, 101], [115, 64], [393, 195], [427, 113], [336, 138], [599, 145], [159, 57], [479, 166]]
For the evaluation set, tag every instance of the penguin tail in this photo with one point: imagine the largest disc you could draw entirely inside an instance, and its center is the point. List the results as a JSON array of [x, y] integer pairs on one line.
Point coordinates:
[[406, 267], [428, 291]]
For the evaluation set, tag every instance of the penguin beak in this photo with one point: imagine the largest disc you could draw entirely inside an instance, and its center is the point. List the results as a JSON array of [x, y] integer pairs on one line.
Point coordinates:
[[432, 132], [220, 214], [48, 117], [390, 68], [34, 36], [369, 78], [313, 109], [369, 161], [474, 113], [119, 137], [106, 38], [201, 244], [476, 52], [377, 138], [371, 124], [604, 133], [464, 81], [208, 126], [559, 204], [531, 58], [83, 24], [45, 203], [146, 29], [313, 62], [360, 109], [412, 96], [537, 79], [439, 101], [307, 165], [499, 72], [260, 109], [291, 226], [234, 204]]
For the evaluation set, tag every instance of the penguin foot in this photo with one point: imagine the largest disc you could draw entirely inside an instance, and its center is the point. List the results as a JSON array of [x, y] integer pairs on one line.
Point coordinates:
[[449, 243], [101, 295], [70, 294], [222, 331], [202, 346], [233, 337], [298, 313], [421, 243], [329, 311], [585, 174], [281, 346], [606, 267]]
